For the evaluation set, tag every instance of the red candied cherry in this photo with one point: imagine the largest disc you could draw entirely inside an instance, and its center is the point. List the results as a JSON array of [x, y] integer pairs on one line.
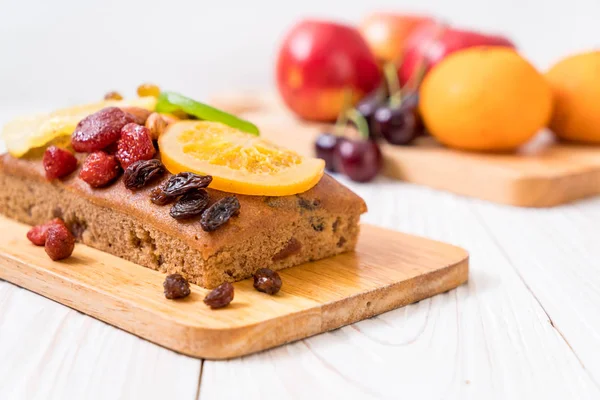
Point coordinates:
[[100, 129], [359, 159], [58, 162], [99, 169], [135, 145], [59, 242], [38, 234]]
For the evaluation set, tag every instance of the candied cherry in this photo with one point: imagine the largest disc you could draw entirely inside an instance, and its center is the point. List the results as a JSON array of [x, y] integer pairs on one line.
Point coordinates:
[[135, 145], [99, 130], [58, 162], [99, 169]]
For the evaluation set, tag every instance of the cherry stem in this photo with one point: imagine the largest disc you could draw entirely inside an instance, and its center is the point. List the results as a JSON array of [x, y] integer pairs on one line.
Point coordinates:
[[359, 121], [342, 119], [391, 76]]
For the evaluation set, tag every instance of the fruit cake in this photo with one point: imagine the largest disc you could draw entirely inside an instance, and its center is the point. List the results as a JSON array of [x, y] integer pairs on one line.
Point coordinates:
[[273, 228]]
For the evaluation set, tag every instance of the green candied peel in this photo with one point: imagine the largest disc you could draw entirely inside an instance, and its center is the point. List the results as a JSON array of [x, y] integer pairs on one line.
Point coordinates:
[[170, 102]]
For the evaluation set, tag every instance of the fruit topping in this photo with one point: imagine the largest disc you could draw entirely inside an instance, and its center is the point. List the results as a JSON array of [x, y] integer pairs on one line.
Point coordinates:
[[59, 242], [99, 130], [148, 89], [158, 197], [360, 160], [38, 234], [156, 124], [219, 213], [267, 281], [134, 145], [113, 96], [138, 174], [191, 204], [99, 169], [58, 162], [169, 102], [26, 133], [220, 297], [139, 115], [238, 162], [176, 287], [185, 181], [325, 149]]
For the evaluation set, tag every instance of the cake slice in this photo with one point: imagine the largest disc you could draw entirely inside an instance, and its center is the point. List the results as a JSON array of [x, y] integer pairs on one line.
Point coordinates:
[[269, 232]]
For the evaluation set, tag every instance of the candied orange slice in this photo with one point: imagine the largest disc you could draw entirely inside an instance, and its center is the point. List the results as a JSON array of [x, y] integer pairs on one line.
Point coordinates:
[[25, 133], [238, 162]]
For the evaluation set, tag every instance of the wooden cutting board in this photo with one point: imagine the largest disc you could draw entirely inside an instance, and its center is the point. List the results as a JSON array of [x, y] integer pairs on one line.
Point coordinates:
[[388, 270], [543, 173]]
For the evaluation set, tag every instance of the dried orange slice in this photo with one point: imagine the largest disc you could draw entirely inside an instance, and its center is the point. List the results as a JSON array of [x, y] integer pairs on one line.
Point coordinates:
[[238, 162], [25, 133]]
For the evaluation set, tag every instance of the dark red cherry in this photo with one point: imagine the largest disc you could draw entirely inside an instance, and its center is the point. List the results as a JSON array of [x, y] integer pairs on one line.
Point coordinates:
[[325, 147], [360, 160]]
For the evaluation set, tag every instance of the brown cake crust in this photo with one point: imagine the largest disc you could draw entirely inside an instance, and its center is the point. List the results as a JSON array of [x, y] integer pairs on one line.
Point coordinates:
[[270, 232]]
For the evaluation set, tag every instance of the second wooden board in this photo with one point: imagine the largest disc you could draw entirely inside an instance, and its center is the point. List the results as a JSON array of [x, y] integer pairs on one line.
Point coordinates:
[[387, 270], [543, 173]]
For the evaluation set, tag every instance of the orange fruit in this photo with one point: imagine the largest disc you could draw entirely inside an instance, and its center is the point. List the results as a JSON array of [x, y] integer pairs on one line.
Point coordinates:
[[575, 82], [238, 162], [485, 99]]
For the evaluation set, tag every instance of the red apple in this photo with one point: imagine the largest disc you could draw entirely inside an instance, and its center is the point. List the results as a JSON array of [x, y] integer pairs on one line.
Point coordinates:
[[433, 42], [318, 62], [386, 33]]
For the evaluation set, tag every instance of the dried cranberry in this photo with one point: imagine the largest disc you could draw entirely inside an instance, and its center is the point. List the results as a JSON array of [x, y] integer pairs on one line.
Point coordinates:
[[58, 162], [176, 287], [38, 234], [267, 281], [135, 144], [99, 130], [138, 174], [219, 213], [190, 204], [220, 297], [99, 169], [59, 242]]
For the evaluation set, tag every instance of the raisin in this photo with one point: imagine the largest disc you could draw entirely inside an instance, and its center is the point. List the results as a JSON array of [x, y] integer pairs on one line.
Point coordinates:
[[135, 144], [308, 204], [99, 169], [58, 162], [219, 213], [158, 197], [267, 281], [292, 247], [138, 114], [176, 287], [148, 89], [60, 242], [220, 297], [190, 204], [99, 130], [185, 181], [138, 174], [113, 96], [38, 234]]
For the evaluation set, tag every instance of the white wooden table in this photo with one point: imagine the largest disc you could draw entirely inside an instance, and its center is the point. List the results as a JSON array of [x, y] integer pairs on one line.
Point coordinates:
[[527, 325]]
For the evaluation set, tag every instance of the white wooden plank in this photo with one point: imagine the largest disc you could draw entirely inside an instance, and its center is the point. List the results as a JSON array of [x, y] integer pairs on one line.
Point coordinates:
[[488, 339], [556, 253], [48, 351]]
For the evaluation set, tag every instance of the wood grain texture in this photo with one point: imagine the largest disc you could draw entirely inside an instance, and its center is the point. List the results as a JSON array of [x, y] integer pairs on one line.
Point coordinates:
[[489, 339], [388, 270], [542, 174]]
